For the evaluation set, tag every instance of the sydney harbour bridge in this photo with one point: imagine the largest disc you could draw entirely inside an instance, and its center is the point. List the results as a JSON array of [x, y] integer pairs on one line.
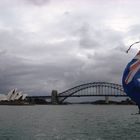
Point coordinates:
[[85, 90]]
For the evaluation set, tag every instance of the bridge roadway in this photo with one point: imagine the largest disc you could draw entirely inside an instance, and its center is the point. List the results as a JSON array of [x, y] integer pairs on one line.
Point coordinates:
[[49, 96], [33, 98]]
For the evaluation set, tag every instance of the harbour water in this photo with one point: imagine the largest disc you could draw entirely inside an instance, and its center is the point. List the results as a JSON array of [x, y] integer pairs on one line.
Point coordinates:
[[69, 122]]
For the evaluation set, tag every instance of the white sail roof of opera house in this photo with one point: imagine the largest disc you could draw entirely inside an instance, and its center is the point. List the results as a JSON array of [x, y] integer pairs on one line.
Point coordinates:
[[13, 95]]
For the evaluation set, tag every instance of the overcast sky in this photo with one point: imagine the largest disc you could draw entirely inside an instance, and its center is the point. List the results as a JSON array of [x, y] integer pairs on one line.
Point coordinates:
[[58, 44]]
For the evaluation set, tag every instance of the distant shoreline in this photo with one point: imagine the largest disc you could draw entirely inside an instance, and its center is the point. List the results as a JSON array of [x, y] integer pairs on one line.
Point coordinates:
[[98, 102], [103, 102]]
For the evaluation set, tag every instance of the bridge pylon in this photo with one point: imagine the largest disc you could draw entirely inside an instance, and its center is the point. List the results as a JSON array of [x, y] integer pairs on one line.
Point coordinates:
[[54, 98], [106, 99]]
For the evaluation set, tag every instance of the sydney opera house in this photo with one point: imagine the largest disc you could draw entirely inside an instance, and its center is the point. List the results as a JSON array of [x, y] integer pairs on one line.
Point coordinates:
[[13, 96]]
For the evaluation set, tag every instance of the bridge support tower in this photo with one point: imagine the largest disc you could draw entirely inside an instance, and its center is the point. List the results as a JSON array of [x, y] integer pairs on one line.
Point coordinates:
[[54, 98], [106, 99]]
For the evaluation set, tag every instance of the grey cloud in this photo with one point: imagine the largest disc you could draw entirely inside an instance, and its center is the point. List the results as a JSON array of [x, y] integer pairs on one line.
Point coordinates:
[[61, 70], [88, 39], [33, 78], [69, 51], [37, 2], [91, 37], [135, 31]]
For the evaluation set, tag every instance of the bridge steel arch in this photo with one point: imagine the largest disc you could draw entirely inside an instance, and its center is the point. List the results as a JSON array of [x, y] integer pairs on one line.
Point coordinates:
[[112, 89]]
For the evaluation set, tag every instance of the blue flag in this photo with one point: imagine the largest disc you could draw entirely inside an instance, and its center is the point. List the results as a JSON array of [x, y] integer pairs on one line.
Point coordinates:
[[131, 79]]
